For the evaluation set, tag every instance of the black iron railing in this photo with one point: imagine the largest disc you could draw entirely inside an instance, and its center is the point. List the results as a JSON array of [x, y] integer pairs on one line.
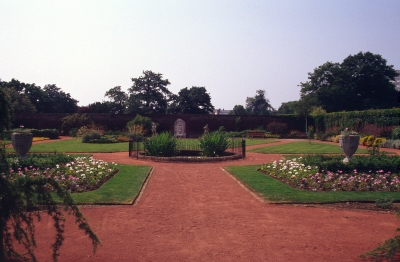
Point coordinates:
[[237, 148]]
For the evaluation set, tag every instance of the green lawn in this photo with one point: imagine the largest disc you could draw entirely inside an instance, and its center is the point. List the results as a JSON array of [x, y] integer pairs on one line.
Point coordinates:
[[304, 147], [123, 188], [76, 146], [259, 141], [276, 191]]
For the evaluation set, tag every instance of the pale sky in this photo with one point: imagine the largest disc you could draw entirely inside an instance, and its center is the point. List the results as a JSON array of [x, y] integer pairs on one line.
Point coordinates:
[[232, 48]]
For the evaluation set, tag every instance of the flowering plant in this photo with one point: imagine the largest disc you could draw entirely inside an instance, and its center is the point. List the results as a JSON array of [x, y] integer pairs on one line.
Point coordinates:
[[300, 176], [348, 132], [21, 130]]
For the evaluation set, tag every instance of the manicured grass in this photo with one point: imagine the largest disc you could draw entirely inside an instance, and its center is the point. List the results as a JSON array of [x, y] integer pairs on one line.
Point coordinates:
[[259, 141], [76, 146], [276, 191], [123, 188], [303, 147]]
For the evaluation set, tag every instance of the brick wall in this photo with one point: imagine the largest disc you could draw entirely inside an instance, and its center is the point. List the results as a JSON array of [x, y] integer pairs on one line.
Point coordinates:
[[194, 123]]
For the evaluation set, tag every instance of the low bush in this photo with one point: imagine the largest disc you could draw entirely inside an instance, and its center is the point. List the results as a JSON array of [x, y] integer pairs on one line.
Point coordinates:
[[391, 143], [41, 161], [78, 175], [387, 163], [163, 144], [214, 143], [326, 135], [243, 133], [50, 133], [90, 137], [396, 133], [296, 134], [277, 128], [384, 203], [299, 175]]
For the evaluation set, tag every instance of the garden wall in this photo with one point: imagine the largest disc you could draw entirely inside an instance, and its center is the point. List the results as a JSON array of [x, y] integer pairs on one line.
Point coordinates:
[[194, 123], [372, 122]]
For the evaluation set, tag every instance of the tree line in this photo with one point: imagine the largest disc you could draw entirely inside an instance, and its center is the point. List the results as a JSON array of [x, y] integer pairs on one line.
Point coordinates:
[[362, 81]]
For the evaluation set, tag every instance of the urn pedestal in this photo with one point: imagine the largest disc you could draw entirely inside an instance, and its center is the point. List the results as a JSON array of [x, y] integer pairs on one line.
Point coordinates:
[[22, 143], [349, 145]]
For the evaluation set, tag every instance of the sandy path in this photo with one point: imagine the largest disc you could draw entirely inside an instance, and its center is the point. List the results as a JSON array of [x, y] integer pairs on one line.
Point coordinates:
[[198, 212]]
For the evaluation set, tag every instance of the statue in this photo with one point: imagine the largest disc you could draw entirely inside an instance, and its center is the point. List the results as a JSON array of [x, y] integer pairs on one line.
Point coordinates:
[[154, 129], [206, 130]]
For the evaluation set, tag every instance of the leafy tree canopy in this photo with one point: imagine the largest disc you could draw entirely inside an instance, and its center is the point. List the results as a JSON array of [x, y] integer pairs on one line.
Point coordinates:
[[259, 105], [238, 110], [360, 82], [5, 112], [57, 101], [149, 94], [118, 100], [29, 98], [104, 107], [193, 100], [287, 108]]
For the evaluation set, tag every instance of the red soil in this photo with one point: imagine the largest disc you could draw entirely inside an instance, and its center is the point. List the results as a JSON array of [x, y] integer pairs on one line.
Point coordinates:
[[199, 212]]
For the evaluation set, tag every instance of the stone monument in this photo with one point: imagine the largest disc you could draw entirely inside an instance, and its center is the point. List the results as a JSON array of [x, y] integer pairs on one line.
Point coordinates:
[[180, 128]]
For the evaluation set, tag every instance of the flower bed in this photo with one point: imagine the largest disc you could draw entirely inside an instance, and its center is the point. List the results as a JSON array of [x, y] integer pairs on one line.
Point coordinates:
[[298, 175], [82, 174]]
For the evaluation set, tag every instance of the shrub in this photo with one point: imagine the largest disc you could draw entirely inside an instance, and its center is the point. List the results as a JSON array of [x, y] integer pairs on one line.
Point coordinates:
[[214, 143], [243, 133], [359, 163], [163, 144], [296, 134], [391, 143], [396, 133], [75, 121], [384, 203], [41, 161], [50, 133], [139, 121], [122, 138], [272, 136], [90, 137], [326, 135], [277, 128]]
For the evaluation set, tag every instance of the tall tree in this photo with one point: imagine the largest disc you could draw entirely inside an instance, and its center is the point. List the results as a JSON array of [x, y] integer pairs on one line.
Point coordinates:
[[193, 100], [104, 107], [259, 104], [238, 110], [360, 82], [149, 94], [20, 101], [56, 101], [118, 100], [287, 108], [5, 112]]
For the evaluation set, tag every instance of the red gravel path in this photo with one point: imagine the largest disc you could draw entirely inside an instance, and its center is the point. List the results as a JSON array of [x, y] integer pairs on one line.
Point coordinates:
[[198, 212]]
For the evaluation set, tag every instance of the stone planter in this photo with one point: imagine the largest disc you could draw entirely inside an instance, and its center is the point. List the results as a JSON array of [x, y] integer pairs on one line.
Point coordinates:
[[22, 143], [349, 145]]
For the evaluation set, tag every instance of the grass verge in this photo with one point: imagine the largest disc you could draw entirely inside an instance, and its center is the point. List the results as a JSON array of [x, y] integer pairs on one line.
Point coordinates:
[[122, 189], [256, 141], [303, 147], [76, 146], [275, 191]]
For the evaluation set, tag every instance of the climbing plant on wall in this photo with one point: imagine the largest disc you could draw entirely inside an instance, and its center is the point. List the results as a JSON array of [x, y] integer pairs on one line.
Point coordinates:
[[357, 119]]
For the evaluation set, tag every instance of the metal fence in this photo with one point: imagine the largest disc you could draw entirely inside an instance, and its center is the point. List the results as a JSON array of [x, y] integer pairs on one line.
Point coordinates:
[[236, 150]]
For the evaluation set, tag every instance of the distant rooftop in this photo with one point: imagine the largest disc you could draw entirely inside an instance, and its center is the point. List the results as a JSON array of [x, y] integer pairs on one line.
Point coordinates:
[[221, 112], [397, 81]]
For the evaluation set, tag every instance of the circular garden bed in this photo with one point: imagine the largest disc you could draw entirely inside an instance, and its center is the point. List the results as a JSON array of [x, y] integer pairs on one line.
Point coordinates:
[[191, 156]]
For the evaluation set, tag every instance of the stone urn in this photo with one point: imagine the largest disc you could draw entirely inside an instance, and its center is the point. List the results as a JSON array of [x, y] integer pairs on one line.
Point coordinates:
[[22, 143], [349, 145]]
